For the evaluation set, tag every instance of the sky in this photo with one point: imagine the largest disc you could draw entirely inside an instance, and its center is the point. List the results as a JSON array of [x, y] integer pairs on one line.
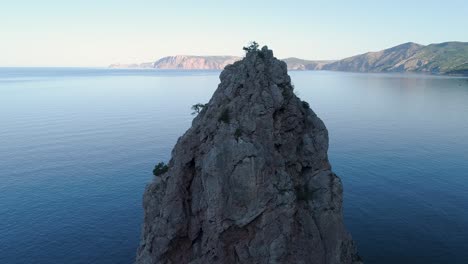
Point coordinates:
[[96, 33]]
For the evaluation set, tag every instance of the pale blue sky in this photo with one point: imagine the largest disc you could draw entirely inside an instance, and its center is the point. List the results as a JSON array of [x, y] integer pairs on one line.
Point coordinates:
[[100, 32]]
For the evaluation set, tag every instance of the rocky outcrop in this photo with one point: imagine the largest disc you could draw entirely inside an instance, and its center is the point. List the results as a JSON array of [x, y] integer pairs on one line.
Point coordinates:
[[250, 181], [195, 62]]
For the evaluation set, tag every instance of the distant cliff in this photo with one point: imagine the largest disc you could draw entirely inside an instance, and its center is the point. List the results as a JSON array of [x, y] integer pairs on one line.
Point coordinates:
[[442, 58], [195, 62], [187, 62]]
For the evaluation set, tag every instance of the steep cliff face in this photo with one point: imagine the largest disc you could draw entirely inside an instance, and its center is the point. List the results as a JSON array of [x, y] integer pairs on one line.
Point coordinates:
[[195, 62], [250, 181]]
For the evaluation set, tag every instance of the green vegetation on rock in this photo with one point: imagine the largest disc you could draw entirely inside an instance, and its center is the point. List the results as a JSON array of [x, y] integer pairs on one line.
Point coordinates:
[[160, 169], [197, 108], [253, 46], [443, 58]]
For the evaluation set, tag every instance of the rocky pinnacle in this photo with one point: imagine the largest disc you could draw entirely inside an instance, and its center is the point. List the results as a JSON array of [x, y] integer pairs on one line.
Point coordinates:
[[250, 181]]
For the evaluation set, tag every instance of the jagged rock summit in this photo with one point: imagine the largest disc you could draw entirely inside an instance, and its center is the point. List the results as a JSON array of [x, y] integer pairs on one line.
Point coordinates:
[[250, 181]]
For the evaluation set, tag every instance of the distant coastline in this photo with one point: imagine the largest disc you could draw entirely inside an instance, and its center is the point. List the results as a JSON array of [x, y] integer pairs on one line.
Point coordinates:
[[448, 58]]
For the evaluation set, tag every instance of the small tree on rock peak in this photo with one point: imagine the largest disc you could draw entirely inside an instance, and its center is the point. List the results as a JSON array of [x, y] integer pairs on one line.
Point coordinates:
[[197, 108], [253, 46]]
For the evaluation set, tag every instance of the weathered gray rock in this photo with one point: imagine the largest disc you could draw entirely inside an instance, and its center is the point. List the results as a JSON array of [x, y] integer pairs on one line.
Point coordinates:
[[250, 181]]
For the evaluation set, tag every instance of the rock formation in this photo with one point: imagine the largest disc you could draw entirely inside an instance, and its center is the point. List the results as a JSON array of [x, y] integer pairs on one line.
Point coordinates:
[[250, 181], [195, 62]]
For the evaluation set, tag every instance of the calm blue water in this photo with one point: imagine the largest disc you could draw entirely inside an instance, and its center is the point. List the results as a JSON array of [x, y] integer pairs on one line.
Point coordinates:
[[77, 147]]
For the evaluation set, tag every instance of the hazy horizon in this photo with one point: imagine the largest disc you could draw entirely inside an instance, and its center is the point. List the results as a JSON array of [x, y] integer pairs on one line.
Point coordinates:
[[88, 34]]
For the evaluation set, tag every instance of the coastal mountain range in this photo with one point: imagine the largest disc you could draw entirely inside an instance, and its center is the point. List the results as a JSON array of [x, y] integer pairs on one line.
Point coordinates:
[[443, 58]]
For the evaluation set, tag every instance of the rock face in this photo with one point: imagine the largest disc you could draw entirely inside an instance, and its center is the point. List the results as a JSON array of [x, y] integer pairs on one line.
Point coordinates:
[[195, 62], [250, 181]]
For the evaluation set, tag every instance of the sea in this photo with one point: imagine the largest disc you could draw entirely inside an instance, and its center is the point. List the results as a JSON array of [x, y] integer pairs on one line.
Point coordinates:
[[78, 145]]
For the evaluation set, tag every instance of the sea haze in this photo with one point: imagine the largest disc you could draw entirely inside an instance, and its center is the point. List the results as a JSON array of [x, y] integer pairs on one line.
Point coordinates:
[[77, 147]]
